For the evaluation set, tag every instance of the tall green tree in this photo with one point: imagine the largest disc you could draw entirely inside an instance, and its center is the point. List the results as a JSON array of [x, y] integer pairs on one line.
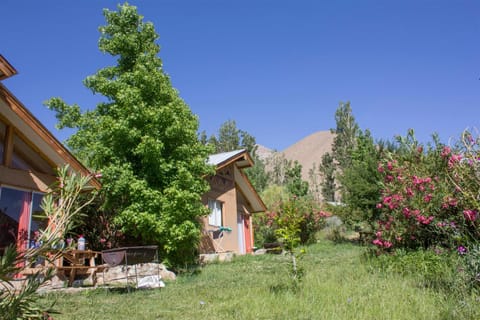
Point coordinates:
[[143, 139], [327, 171], [294, 183], [231, 138], [360, 182], [346, 132], [352, 168]]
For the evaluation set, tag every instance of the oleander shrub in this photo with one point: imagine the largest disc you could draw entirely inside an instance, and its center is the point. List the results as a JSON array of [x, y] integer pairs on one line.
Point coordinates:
[[429, 196]]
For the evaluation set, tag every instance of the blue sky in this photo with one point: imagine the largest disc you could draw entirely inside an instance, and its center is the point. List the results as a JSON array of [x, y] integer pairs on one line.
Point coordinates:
[[278, 68]]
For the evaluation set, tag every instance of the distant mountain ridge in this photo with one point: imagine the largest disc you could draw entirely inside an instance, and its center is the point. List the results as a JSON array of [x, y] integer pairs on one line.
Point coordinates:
[[307, 151]]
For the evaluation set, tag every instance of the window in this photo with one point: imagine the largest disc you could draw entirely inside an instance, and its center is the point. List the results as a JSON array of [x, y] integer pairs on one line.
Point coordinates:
[[17, 226], [215, 217]]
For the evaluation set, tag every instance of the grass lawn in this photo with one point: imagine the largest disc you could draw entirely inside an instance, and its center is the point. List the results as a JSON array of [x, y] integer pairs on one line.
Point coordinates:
[[338, 284]]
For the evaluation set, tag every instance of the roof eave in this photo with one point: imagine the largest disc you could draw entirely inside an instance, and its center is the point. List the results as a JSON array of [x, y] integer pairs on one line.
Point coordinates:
[[242, 159], [6, 69], [23, 113]]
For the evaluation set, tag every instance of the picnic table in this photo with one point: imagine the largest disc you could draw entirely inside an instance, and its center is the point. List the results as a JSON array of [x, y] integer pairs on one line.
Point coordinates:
[[73, 262]]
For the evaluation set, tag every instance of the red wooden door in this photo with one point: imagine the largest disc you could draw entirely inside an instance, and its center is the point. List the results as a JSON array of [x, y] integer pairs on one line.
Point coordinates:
[[247, 234]]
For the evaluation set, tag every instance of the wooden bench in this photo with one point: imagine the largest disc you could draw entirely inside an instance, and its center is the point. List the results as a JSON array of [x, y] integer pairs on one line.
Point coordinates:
[[72, 271], [33, 270]]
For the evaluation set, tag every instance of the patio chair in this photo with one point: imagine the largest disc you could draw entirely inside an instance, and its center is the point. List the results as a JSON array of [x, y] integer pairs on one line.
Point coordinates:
[[217, 237]]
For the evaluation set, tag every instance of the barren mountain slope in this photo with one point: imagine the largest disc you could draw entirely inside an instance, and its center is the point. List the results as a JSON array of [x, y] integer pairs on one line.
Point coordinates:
[[310, 150], [263, 152]]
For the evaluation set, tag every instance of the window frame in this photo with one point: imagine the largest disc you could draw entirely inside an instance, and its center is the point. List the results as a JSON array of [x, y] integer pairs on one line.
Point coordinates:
[[30, 209], [215, 204]]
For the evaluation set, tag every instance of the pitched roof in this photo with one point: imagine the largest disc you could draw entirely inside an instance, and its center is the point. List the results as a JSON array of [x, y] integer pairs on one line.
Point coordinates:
[[241, 158], [33, 130], [6, 69]]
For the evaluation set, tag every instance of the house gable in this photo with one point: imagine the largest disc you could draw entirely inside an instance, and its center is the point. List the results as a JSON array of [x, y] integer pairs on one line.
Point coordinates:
[[29, 157], [237, 200], [30, 154]]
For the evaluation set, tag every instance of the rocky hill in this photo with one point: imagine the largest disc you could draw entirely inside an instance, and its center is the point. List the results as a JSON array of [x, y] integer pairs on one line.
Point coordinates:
[[264, 153], [307, 152]]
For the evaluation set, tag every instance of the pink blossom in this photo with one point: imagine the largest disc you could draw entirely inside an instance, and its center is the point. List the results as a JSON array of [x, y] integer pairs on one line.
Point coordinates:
[[445, 152], [387, 244], [416, 180], [424, 220], [397, 197], [406, 212], [453, 202], [409, 192], [470, 215], [377, 242], [378, 234], [388, 225], [324, 214], [379, 206], [454, 158], [380, 168], [387, 200], [427, 198], [389, 165], [462, 250]]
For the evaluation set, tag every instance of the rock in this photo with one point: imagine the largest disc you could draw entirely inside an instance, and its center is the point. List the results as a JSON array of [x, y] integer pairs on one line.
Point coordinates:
[[333, 221], [167, 275], [260, 251], [150, 282], [58, 281], [119, 274], [216, 257]]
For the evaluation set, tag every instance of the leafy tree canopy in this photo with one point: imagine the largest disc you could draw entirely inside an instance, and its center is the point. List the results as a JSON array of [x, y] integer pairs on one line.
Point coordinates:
[[294, 183], [143, 139], [327, 170], [346, 132], [231, 138]]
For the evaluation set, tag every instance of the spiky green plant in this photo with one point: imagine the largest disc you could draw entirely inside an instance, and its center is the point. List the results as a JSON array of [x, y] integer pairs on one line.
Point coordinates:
[[61, 206]]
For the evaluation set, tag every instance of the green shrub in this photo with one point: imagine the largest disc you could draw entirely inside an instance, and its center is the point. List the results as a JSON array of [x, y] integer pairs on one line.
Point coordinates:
[[432, 268]]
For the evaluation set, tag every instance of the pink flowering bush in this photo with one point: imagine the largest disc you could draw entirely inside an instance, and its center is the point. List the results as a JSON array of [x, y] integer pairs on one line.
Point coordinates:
[[428, 197]]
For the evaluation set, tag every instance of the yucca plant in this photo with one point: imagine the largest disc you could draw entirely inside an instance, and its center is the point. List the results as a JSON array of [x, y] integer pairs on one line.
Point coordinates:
[[21, 303], [62, 207]]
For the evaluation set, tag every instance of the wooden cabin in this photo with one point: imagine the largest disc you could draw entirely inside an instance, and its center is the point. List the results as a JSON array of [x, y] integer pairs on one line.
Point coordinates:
[[232, 201], [29, 157]]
